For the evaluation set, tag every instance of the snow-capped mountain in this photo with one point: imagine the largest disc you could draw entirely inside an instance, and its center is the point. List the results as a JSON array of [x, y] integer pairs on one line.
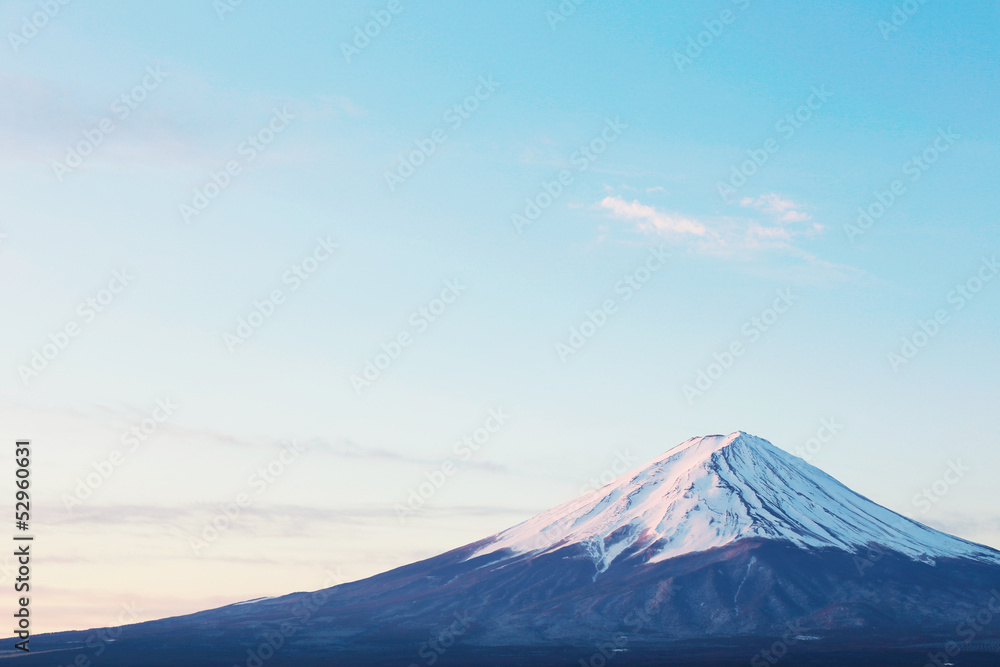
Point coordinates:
[[706, 555], [712, 491]]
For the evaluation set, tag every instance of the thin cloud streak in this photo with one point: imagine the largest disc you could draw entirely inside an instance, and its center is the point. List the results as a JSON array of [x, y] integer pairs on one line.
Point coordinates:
[[649, 219], [772, 222]]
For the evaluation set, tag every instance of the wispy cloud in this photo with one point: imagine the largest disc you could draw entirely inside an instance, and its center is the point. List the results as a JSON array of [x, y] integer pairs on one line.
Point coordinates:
[[651, 220], [785, 210], [770, 221], [257, 519]]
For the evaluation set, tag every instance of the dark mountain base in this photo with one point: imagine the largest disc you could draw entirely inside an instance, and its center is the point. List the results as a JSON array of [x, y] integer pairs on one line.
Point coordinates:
[[844, 651]]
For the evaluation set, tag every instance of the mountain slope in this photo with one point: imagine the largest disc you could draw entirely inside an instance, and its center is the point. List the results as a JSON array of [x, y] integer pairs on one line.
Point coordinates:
[[711, 552]]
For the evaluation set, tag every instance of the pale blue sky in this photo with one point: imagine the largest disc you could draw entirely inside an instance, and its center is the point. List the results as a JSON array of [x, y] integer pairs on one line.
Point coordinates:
[[878, 99]]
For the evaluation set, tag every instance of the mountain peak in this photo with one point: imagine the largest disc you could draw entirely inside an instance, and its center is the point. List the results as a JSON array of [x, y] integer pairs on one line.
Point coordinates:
[[707, 445], [714, 490]]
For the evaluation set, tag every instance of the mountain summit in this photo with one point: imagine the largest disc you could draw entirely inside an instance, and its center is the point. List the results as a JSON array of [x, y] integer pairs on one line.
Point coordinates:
[[712, 491], [712, 552]]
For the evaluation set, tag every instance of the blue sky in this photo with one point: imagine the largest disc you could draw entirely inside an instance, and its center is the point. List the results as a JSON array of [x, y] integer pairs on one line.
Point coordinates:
[[594, 108]]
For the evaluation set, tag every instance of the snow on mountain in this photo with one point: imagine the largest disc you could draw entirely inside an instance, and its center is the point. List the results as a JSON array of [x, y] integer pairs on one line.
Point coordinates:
[[715, 490]]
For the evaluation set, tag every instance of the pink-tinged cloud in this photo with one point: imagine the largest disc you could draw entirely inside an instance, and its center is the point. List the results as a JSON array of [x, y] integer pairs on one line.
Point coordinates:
[[773, 224], [649, 219], [783, 209]]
